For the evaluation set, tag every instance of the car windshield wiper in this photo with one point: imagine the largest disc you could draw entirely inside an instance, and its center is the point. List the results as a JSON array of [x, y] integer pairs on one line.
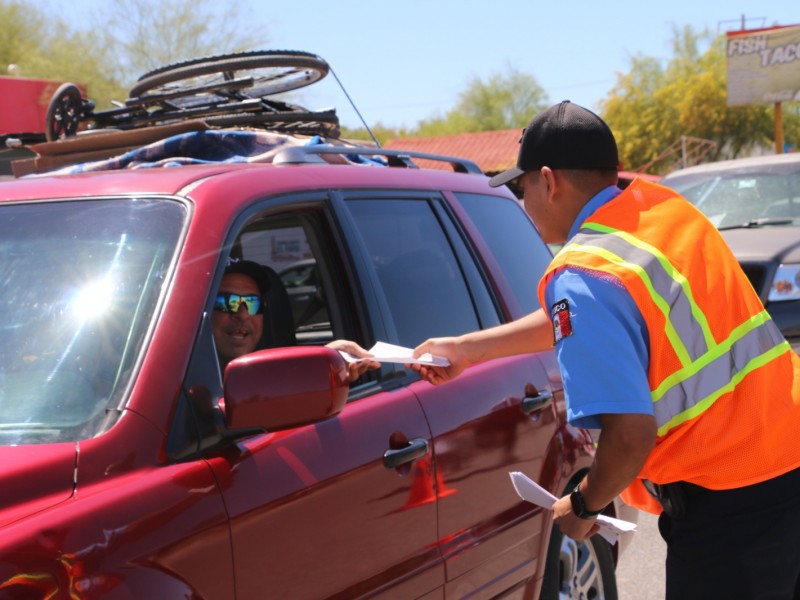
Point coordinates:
[[752, 223]]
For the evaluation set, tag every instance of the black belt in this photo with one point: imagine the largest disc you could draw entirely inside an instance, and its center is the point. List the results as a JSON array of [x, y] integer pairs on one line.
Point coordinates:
[[674, 496], [692, 489]]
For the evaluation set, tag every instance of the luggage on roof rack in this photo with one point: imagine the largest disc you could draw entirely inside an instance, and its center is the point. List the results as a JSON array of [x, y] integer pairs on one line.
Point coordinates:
[[192, 142], [214, 109], [227, 90]]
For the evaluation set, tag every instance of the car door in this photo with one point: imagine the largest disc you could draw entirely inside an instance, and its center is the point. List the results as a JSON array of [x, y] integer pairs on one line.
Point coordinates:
[[341, 508], [316, 513], [495, 418]]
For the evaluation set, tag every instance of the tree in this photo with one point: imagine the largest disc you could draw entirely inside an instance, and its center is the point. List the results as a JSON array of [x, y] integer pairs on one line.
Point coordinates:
[[504, 101], [381, 132], [118, 46], [652, 106], [791, 126], [18, 38], [44, 46], [149, 34]]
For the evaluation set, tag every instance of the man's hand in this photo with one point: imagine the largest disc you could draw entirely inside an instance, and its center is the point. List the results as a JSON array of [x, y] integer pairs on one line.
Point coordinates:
[[531, 333], [447, 347], [355, 369], [571, 525], [624, 445]]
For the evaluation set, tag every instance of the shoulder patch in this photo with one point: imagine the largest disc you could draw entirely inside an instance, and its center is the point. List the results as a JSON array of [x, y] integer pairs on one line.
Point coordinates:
[[562, 325]]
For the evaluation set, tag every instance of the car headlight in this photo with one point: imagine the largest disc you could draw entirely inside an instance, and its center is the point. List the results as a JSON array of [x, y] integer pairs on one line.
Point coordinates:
[[786, 284]]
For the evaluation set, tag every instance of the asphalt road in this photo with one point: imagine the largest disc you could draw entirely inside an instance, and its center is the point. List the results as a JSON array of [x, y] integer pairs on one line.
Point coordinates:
[[640, 573]]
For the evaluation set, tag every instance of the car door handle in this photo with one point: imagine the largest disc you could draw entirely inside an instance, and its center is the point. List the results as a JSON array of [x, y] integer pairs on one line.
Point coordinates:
[[416, 448], [535, 401]]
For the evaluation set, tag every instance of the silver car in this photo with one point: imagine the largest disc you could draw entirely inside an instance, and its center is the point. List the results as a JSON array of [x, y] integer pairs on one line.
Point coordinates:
[[755, 203]]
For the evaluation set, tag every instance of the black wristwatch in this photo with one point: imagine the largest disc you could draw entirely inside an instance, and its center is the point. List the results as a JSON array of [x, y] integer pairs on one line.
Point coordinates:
[[579, 505]]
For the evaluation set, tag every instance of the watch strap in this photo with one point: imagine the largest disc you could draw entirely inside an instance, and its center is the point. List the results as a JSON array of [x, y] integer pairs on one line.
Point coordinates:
[[579, 505]]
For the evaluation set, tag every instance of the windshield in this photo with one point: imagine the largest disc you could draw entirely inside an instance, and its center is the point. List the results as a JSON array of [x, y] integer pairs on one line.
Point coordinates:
[[80, 284], [742, 199]]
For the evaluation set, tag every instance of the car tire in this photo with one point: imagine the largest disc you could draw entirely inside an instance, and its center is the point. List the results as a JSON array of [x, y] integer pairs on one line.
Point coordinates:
[[579, 569]]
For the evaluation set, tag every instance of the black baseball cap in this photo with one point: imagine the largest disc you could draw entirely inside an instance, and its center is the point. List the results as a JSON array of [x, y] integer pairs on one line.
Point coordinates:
[[252, 269], [564, 136]]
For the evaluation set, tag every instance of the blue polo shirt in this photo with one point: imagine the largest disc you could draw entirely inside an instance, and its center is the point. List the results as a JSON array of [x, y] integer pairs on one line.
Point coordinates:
[[604, 355]]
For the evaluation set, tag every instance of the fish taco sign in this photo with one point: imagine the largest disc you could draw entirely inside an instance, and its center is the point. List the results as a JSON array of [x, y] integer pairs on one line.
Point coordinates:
[[764, 65]]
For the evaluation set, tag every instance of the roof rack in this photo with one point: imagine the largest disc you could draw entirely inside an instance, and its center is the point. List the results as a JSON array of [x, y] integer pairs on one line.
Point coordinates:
[[395, 158]]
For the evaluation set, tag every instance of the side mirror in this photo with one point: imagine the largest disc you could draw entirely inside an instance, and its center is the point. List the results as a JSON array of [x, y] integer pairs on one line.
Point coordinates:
[[283, 388]]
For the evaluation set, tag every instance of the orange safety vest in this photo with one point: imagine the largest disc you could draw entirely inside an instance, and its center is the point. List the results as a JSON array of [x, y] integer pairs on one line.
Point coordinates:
[[724, 382]]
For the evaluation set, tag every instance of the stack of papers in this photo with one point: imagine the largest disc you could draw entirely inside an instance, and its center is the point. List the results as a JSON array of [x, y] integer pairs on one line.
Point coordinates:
[[384, 352], [610, 528]]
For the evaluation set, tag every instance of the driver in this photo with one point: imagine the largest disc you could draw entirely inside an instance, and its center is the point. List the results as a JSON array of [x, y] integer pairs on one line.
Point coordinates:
[[238, 318]]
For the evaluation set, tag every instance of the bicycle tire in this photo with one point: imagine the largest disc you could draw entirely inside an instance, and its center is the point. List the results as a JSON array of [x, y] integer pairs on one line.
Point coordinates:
[[64, 112], [299, 70]]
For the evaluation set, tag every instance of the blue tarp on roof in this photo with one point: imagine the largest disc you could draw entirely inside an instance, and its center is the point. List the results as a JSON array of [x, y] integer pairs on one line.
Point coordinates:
[[207, 147]]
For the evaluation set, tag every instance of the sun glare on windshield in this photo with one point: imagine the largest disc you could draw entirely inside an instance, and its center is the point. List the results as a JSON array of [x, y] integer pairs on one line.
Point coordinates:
[[94, 300]]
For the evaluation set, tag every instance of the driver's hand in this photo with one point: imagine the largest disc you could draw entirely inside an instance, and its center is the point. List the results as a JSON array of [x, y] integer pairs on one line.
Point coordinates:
[[355, 369]]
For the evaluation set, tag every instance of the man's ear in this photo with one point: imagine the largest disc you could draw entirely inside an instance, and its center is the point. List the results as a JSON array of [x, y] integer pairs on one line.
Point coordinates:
[[550, 181]]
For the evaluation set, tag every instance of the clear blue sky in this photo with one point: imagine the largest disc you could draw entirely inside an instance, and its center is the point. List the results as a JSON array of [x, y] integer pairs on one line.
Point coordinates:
[[403, 61]]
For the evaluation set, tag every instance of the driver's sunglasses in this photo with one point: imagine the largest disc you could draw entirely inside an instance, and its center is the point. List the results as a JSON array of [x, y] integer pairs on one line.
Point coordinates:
[[230, 303]]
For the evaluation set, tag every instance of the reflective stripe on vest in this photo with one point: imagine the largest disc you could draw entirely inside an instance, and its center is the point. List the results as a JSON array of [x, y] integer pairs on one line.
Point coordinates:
[[709, 369]]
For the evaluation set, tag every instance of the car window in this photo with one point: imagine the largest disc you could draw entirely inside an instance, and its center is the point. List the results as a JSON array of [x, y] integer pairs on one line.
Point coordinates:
[[513, 242], [301, 275], [80, 285], [288, 246], [424, 288], [284, 244]]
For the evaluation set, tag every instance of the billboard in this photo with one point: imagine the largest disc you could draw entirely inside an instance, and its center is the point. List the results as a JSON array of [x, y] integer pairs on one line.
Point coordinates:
[[763, 65]]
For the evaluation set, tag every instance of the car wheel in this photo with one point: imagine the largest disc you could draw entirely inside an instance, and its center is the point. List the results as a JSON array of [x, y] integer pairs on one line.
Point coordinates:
[[578, 570]]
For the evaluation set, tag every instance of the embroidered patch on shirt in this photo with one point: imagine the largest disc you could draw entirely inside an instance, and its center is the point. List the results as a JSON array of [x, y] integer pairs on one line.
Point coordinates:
[[559, 315]]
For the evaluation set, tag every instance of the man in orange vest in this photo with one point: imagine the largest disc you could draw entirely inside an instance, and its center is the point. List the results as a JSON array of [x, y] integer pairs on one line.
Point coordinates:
[[665, 347]]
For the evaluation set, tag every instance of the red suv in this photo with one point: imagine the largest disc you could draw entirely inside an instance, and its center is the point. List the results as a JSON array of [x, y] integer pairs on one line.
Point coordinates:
[[132, 467]]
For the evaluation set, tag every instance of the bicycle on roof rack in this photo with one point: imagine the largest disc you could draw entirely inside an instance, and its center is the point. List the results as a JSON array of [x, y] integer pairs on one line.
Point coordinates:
[[225, 91]]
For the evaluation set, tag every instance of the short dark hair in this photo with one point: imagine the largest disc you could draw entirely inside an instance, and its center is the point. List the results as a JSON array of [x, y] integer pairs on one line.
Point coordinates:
[[252, 269]]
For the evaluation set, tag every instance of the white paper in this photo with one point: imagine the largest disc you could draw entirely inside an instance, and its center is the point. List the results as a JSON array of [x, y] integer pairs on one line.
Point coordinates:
[[383, 352], [528, 489]]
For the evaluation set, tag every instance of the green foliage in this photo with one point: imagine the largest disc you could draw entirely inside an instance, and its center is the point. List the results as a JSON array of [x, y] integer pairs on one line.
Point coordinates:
[[44, 47], [149, 34], [791, 125], [18, 34], [381, 132], [654, 105], [117, 46], [504, 101]]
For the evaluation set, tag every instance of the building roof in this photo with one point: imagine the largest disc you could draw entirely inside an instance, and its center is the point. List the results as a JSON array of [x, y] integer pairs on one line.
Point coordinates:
[[492, 151]]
